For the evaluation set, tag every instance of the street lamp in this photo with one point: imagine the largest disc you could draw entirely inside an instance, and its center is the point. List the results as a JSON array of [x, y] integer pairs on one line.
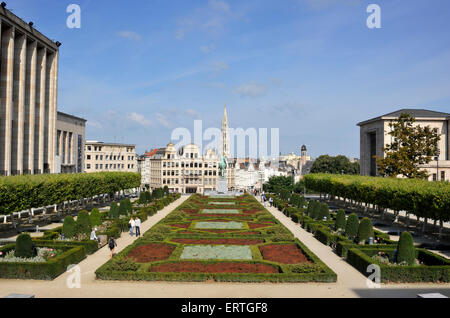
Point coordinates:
[[437, 164]]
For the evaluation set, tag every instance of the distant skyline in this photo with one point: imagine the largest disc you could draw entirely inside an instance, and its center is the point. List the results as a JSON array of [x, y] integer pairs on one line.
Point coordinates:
[[311, 68]]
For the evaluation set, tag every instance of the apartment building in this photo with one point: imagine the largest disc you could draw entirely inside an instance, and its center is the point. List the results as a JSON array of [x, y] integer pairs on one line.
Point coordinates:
[[102, 156]]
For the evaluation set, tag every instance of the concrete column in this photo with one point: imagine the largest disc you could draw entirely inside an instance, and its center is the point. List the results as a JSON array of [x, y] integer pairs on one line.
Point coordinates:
[[20, 50], [30, 105], [51, 116], [54, 105], [40, 99], [66, 146], [6, 94]]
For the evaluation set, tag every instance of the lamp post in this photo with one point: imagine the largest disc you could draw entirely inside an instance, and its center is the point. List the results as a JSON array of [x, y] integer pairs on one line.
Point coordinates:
[[437, 164]]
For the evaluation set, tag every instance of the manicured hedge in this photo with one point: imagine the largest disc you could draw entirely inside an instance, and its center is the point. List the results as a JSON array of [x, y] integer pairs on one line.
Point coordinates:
[[32, 191], [437, 268], [45, 271]]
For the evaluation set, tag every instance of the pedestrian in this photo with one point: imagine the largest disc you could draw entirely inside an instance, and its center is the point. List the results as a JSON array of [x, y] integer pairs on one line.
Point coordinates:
[[137, 224], [131, 224], [264, 199], [112, 244], [270, 201], [94, 236]]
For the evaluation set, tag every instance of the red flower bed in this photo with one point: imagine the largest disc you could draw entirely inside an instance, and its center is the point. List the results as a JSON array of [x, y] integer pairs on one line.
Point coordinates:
[[219, 241], [194, 267], [151, 252], [259, 225], [181, 226], [191, 211], [253, 211], [286, 254]]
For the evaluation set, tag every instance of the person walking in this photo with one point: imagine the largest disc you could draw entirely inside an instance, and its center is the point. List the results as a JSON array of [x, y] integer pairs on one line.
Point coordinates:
[[270, 201], [264, 199], [94, 236], [112, 244], [132, 225], [137, 224]]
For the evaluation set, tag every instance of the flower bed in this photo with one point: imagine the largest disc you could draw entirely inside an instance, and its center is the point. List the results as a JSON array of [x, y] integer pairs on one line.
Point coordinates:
[[222, 203], [219, 225], [219, 241], [222, 267], [151, 252], [226, 252], [259, 225], [286, 254], [219, 211]]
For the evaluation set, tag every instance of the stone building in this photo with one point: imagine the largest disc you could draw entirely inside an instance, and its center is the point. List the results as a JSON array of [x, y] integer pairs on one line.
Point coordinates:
[[70, 139], [102, 156], [374, 135], [28, 97], [185, 170]]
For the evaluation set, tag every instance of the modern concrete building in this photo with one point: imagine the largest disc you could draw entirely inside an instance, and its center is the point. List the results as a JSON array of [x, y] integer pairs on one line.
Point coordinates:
[[28, 97], [70, 139], [185, 170], [374, 135], [102, 156]]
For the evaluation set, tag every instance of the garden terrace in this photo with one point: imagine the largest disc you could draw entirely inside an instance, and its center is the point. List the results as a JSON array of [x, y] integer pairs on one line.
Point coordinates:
[[188, 245]]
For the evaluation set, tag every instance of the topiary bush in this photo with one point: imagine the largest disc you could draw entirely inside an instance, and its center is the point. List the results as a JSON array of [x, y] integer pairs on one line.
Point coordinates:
[[123, 208], [148, 197], [24, 246], [69, 228], [340, 220], [406, 251], [323, 212], [83, 223], [114, 211], [95, 217], [351, 228], [142, 198], [365, 230]]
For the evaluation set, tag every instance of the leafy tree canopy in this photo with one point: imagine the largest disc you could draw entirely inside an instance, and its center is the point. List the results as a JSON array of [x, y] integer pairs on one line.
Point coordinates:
[[336, 165]]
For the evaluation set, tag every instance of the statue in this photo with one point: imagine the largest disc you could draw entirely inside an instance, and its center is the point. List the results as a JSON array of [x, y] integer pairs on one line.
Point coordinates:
[[222, 166]]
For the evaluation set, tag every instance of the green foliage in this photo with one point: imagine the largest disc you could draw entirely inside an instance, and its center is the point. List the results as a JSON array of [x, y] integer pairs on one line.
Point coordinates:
[[365, 230], [27, 191], [278, 182], [83, 223], [114, 211], [411, 146], [406, 251], [95, 217], [337, 165], [323, 212], [69, 228], [351, 228], [123, 208], [148, 197], [24, 246], [123, 264], [142, 198], [340, 220]]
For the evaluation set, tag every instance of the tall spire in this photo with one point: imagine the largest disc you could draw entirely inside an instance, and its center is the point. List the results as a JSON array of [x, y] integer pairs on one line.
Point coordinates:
[[225, 148]]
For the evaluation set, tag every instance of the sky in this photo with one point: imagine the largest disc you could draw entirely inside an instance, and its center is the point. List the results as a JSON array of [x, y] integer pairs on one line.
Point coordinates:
[[138, 69]]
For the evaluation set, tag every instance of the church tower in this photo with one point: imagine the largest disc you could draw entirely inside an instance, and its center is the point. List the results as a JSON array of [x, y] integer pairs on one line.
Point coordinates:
[[225, 141]]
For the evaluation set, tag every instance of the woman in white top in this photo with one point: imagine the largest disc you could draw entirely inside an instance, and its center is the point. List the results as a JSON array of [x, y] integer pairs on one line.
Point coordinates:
[[132, 225]]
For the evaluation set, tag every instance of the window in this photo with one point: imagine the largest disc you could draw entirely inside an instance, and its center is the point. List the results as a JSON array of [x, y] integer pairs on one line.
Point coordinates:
[[99, 148], [96, 157], [442, 175], [122, 157], [101, 166], [434, 177], [95, 148], [89, 148], [88, 166], [88, 157], [101, 157]]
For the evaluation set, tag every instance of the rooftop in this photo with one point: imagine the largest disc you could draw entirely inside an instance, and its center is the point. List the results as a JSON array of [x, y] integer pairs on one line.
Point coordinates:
[[416, 113]]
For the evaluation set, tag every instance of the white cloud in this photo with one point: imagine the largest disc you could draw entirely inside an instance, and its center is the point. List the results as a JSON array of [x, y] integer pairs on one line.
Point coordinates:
[[219, 5], [162, 120], [251, 89], [139, 119], [220, 66], [129, 35], [94, 124]]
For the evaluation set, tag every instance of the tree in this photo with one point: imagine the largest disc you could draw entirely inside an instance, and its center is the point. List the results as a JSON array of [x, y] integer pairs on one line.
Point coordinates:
[[123, 208], [405, 249], [95, 217], [83, 223], [278, 181], [69, 227], [340, 220], [365, 230], [336, 165], [324, 211], [114, 211], [411, 147], [351, 228]]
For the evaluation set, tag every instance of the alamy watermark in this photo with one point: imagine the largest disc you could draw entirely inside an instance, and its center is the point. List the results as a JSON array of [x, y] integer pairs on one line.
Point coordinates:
[[74, 19], [74, 279], [374, 19], [374, 279]]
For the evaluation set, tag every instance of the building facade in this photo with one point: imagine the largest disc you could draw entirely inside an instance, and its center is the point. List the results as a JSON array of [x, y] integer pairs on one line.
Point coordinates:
[[184, 170], [374, 135], [28, 97], [102, 156], [70, 140]]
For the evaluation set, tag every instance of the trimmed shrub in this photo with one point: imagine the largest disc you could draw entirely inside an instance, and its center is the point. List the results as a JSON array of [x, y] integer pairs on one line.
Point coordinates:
[[324, 212], [340, 220], [114, 211], [95, 217], [365, 230], [24, 246], [123, 208], [69, 228], [142, 198], [148, 197], [83, 223], [351, 228], [406, 251]]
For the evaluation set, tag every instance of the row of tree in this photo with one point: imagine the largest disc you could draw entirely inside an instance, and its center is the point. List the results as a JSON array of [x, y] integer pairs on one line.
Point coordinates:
[[19, 193]]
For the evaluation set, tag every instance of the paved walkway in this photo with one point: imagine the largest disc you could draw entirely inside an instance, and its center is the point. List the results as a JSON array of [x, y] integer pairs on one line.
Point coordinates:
[[350, 282]]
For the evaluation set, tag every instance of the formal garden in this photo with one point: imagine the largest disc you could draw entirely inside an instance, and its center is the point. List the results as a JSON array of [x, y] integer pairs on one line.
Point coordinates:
[[229, 239], [49, 256], [354, 238]]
